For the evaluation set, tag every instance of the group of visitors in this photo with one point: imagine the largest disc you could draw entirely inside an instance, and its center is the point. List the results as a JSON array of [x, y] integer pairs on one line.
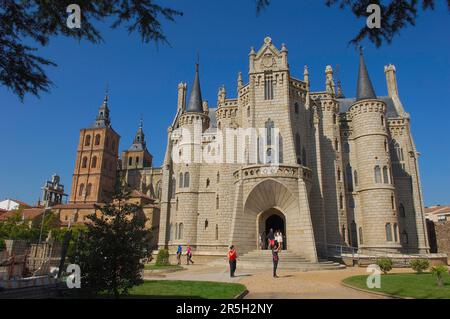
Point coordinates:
[[188, 255], [267, 242], [274, 244]]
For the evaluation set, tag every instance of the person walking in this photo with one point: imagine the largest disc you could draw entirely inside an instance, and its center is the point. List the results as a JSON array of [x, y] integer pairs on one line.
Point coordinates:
[[271, 238], [275, 258], [189, 255], [232, 256], [179, 253]]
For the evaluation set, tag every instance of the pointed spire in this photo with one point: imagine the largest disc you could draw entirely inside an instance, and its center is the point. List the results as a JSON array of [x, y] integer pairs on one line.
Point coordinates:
[[102, 119], [365, 89], [195, 99], [139, 139]]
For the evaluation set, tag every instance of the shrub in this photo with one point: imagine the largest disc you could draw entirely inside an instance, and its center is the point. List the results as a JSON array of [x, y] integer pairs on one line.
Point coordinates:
[[419, 265], [438, 272], [163, 257], [385, 264]]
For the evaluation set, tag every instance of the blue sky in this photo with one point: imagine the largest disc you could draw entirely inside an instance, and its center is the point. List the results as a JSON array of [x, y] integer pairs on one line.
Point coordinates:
[[39, 137]]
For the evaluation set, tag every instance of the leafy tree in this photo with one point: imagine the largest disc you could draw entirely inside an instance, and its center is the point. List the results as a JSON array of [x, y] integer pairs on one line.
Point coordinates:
[[162, 259], [395, 16], [385, 264], [438, 272], [112, 247], [77, 232], [25, 22], [419, 265]]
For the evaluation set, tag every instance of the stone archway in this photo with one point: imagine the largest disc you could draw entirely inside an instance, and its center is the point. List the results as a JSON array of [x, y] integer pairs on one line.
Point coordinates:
[[273, 219]]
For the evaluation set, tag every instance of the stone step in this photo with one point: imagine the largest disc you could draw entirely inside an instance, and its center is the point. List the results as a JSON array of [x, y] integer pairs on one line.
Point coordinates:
[[262, 259]]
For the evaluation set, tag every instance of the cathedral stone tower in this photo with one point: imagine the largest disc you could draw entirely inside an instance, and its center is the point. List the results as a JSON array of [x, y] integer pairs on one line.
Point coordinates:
[[95, 172], [135, 159]]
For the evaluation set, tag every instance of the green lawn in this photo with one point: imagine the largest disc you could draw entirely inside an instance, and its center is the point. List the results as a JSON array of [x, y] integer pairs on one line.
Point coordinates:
[[422, 286], [157, 267], [186, 289]]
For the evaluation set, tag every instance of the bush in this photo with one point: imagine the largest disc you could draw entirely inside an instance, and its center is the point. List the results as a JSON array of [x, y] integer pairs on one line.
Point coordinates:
[[438, 272], [419, 265], [385, 264], [163, 257]]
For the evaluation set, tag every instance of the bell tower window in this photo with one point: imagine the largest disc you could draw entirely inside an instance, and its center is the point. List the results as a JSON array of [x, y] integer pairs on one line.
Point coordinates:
[[268, 86]]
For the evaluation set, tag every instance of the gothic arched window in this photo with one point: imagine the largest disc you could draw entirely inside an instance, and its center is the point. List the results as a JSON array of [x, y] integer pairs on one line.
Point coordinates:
[[280, 148], [296, 108], [87, 141], [349, 174], [180, 231], [385, 175], [186, 179], [217, 201], [298, 147], [88, 189], [377, 172], [81, 189], [346, 147], [355, 176], [174, 185], [401, 210], [388, 232], [97, 139], [217, 232], [361, 238], [268, 86], [84, 162], [94, 162], [341, 201]]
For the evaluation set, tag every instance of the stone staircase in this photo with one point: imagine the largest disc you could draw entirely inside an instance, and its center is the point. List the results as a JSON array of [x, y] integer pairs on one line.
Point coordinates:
[[262, 259]]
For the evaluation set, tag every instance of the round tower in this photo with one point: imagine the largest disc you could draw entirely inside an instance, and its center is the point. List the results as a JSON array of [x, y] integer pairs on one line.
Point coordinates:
[[192, 123], [378, 226]]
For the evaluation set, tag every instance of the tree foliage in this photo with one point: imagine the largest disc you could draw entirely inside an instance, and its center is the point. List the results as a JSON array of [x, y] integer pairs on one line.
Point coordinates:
[[112, 248], [15, 227], [26, 24], [395, 16]]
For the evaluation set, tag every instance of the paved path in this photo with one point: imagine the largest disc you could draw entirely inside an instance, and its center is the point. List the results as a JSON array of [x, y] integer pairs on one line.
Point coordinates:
[[291, 284]]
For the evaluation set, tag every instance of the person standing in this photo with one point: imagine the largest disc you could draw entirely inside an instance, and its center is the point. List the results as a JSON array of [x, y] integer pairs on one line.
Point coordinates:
[[271, 238], [232, 256], [280, 239], [189, 255], [179, 253], [275, 258]]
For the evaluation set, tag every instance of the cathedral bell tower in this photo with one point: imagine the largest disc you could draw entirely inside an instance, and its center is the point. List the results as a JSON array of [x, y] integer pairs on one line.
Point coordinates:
[[95, 171]]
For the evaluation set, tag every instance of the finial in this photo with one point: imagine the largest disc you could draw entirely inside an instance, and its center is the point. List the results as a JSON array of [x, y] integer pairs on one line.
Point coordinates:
[[106, 92], [252, 51], [141, 122], [361, 49], [197, 62]]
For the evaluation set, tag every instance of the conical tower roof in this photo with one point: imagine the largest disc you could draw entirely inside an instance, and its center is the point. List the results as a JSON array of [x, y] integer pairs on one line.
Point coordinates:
[[364, 88], [195, 99]]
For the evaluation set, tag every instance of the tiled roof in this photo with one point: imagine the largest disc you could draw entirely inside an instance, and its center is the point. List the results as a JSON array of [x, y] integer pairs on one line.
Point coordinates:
[[438, 209], [27, 213]]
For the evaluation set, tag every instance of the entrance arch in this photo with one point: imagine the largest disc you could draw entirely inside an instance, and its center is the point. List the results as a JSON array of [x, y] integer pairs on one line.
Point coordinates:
[[273, 219]]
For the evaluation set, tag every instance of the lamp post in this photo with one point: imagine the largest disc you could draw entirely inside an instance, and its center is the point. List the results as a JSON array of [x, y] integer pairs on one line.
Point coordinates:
[[42, 222]]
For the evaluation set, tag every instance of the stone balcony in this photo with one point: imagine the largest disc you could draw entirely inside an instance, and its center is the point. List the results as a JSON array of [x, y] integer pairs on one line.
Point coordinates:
[[272, 170]]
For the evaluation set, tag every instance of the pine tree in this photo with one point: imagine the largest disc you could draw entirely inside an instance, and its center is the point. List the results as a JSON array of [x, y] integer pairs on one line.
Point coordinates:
[[112, 248]]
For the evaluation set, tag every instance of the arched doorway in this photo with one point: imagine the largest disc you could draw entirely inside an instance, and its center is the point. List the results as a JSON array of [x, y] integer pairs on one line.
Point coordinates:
[[271, 219]]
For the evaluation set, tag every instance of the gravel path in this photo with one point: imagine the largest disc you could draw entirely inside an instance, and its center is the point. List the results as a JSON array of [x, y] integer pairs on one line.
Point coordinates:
[[324, 284]]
